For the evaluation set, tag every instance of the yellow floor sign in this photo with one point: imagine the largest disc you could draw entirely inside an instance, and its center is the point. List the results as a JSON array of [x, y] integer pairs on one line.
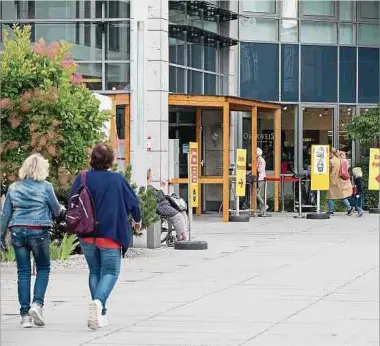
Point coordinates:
[[193, 175], [374, 169], [241, 164]]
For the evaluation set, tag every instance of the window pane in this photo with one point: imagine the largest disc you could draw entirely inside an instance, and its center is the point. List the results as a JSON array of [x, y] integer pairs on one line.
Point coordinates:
[[176, 80], [289, 8], [347, 34], [318, 8], [369, 34], [289, 72], [368, 9], [346, 10], [42, 9], [194, 55], [263, 6], [288, 141], [318, 74], [120, 121], [92, 75], [177, 16], [347, 75], [318, 32], [176, 51], [289, 31], [194, 82], [345, 117], [210, 58], [118, 9], [118, 40], [259, 71], [85, 45], [369, 75], [265, 137], [260, 29], [210, 84], [118, 77], [211, 26]]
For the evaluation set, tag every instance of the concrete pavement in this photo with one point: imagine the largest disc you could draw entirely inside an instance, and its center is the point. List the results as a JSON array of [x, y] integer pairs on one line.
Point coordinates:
[[276, 281]]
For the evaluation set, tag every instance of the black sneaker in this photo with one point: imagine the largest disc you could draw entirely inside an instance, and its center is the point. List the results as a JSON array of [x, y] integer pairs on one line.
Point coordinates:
[[350, 211]]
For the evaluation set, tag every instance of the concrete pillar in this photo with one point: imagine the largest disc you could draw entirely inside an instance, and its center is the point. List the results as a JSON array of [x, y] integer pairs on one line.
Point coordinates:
[[154, 13]]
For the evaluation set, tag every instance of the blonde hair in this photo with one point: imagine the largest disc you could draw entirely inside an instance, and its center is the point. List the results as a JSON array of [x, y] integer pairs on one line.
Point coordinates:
[[34, 167], [357, 172]]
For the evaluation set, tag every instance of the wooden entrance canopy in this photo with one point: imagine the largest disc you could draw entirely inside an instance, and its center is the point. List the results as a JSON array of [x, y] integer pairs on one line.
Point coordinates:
[[231, 104]]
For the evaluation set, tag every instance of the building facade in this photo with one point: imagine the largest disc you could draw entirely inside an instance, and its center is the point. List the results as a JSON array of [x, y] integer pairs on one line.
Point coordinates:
[[318, 59]]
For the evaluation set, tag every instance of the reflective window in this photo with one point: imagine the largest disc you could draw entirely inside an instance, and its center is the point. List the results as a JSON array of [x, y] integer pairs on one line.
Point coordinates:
[[289, 72], [118, 77], [176, 80], [118, 9], [288, 138], [318, 8], [259, 71], [347, 34], [260, 29], [176, 51], [82, 36], [210, 59], [289, 30], [92, 75], [210, 84], [318, 32], [369, 75], [345, 117], [369, 34], [263, 6], [347, 75], [346, 10], [266, 137], [194, 55], [368, 9], [118, 41], [289, 8], [318, 74], [194, 82]]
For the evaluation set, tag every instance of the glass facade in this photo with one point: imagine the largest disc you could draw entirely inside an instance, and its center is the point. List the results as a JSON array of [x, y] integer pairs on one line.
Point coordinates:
[[99, 32], [319, 58]]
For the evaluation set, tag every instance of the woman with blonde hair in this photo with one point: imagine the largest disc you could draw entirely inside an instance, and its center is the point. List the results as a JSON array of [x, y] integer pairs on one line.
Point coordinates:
[[28, 209]]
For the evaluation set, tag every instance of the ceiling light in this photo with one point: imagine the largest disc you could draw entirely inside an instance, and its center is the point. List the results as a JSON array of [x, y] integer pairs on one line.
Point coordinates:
[[320, 115], [349, 109], [285, 108], [366, 110]]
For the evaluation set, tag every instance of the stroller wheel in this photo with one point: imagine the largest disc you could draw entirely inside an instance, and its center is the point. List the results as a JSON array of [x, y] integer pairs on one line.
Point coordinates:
[[170, 240]]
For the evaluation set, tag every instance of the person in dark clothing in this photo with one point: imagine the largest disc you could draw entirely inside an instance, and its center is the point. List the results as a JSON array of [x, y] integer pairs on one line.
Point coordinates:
[[358, 196], [114, 201]]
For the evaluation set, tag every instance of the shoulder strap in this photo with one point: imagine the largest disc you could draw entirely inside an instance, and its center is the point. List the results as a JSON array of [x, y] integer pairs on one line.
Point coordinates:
[[83, 176]]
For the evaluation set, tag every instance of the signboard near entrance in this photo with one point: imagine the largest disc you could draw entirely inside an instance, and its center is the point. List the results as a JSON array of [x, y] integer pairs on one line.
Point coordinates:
[[320, 168], [193, 175], [241, 164], [374, 169]]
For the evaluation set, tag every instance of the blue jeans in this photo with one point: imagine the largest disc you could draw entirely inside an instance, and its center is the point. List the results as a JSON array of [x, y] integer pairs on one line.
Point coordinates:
[[357, 203], [104, 266], [37, 242], [331, 204]]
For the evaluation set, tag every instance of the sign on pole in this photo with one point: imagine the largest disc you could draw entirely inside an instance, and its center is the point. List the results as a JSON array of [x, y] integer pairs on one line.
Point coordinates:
[[241, 164], [374, 169], [320, 168], [193, 175]]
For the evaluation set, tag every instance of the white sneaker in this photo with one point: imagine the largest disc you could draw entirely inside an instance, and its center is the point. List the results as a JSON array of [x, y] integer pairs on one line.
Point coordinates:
[[103, 322], [35, 312], [95, 314], [26, 321]]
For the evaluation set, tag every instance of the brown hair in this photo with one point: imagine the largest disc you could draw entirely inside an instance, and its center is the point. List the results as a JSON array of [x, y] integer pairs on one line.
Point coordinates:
[[102, 157]]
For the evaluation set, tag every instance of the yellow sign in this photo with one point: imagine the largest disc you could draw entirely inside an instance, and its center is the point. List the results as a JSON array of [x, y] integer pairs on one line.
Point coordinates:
[[320, 168], [374, 169], [241, 164], [193, 175]]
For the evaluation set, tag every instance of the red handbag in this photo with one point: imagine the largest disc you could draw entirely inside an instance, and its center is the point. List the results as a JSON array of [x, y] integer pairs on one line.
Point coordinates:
[[354, 190]]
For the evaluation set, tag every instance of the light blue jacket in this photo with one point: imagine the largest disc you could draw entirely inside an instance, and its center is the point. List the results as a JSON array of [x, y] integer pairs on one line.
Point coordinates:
[[29, 203]]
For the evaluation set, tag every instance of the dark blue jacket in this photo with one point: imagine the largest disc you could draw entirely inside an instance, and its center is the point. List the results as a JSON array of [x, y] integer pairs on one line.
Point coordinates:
[[114, 202]]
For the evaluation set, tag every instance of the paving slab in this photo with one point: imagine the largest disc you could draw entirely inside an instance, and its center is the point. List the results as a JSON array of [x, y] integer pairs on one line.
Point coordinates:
[[274, 281]]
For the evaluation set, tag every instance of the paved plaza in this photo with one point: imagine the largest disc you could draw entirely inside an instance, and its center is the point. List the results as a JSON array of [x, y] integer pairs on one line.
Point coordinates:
[[277, 281]]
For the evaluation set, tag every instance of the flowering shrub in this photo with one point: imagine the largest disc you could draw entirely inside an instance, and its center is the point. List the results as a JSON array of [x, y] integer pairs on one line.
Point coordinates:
[[45, 107]]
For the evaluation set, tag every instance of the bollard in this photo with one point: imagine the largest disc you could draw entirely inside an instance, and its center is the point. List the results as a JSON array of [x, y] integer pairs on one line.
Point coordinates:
[[153, 236], [265, 197], [282, 195], [299, 216]]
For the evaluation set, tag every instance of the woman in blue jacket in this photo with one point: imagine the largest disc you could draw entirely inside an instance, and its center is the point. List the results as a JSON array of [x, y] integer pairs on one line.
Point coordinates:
[[28, 209], [114, 201]]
